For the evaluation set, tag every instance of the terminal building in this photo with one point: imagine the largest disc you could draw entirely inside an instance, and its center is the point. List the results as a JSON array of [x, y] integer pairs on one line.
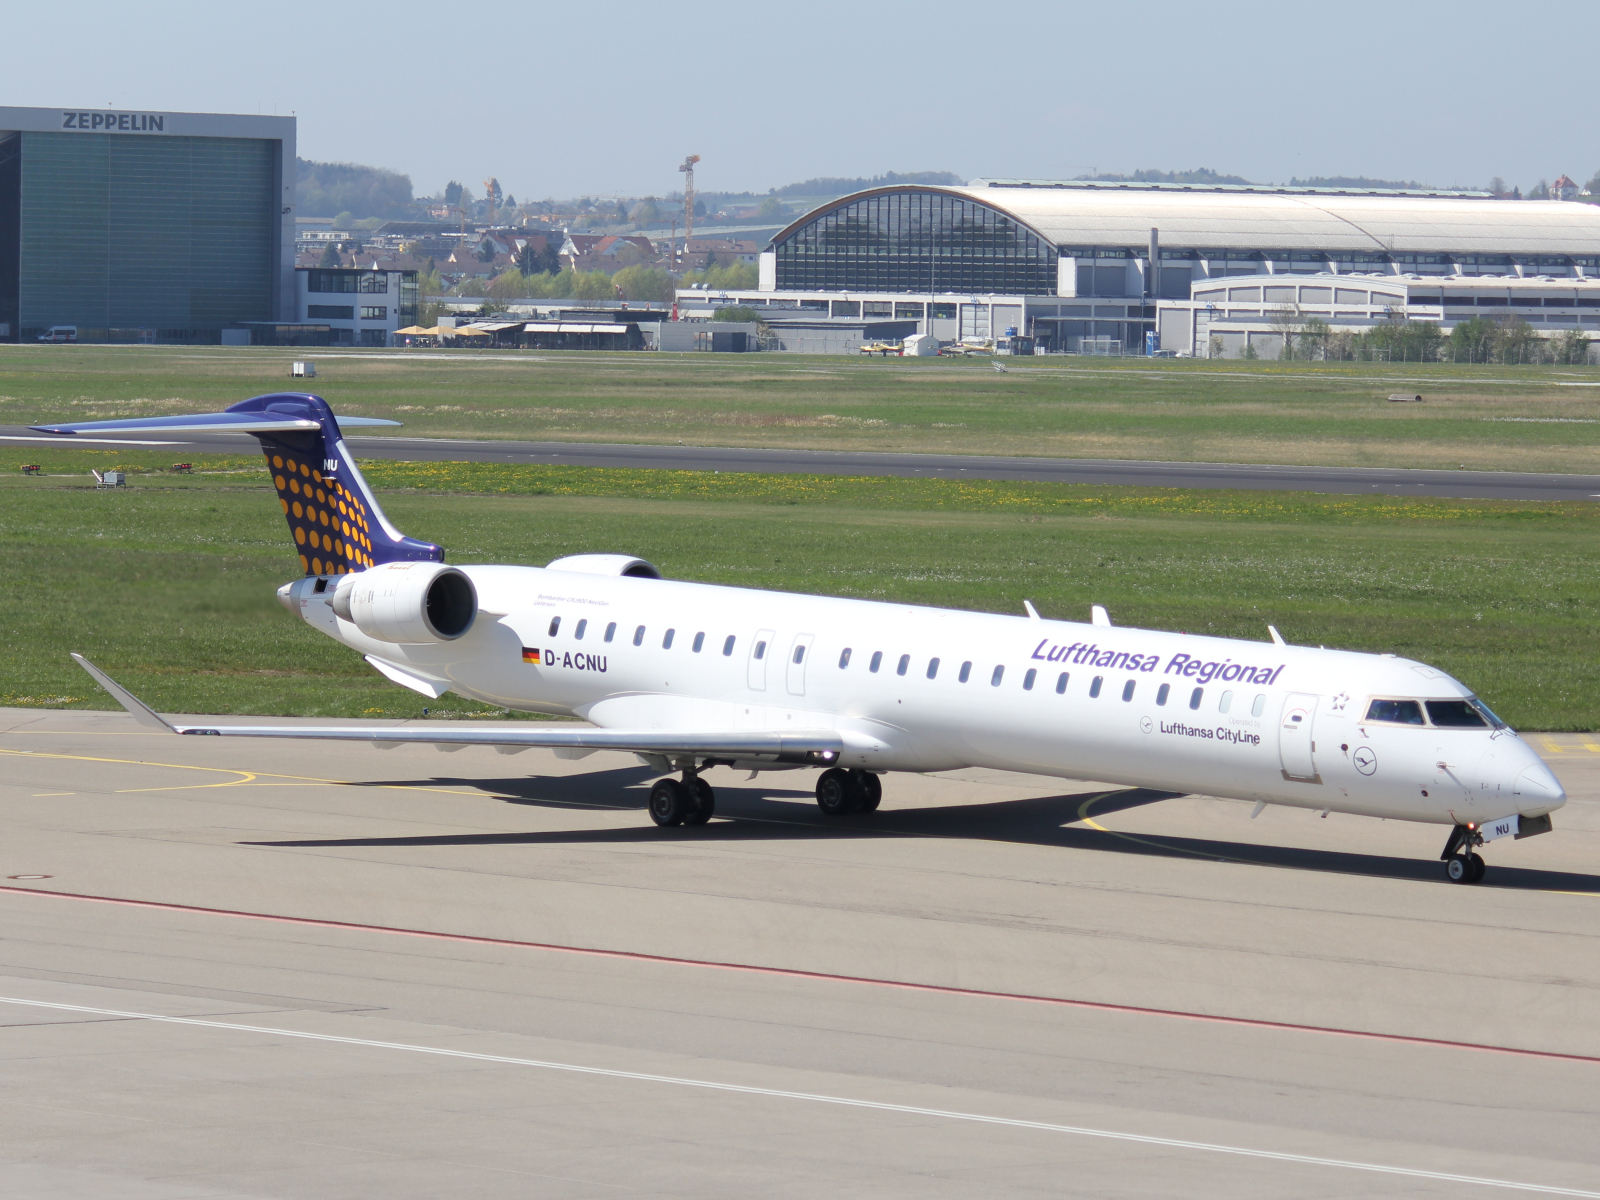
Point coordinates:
[[1088, 266], [144, 226]]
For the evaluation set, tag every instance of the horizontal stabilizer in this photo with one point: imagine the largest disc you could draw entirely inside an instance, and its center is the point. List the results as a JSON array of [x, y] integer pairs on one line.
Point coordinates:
[[793, 747], [222, 422]]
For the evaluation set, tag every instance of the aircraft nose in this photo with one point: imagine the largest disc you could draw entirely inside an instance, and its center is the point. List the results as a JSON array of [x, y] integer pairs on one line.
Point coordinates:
[[1536, 787]]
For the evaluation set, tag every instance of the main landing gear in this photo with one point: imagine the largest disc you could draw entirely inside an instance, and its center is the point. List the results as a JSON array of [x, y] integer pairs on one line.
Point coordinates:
[[840, 791], [1461, 863], [688, 803]]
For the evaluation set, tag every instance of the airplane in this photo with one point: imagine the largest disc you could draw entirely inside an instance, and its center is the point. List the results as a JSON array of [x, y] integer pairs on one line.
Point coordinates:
[[691, 676]]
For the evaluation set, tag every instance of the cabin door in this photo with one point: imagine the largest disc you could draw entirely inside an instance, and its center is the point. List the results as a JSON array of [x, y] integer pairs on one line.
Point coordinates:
[[1296, 750]]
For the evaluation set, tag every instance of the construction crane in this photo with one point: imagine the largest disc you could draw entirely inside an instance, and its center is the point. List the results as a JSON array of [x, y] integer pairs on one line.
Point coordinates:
[[688, 201]]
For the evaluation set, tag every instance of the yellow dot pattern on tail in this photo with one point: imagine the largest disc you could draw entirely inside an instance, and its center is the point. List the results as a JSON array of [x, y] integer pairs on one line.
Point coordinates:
[[330, 523]]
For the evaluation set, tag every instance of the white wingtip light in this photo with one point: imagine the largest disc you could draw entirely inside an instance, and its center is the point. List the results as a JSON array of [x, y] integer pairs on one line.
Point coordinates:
[[1277, 638], [1099, 616]]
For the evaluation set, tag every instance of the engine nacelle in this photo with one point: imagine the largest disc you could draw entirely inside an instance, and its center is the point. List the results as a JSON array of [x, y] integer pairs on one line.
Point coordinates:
[[408, 602], [605, 564]]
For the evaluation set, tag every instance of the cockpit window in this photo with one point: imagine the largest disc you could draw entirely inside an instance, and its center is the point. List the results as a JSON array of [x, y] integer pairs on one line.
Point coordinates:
[[1483, 711], [1398, 712], [1455, 714]]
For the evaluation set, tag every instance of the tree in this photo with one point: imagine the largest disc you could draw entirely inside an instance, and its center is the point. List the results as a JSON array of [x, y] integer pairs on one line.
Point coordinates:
[[330, 257], [1287, 322], [592, 285], [620, 213], [699, 208], [1314, 334], [643, 283], [770, 209], [550, 258], [646, 211], [1540, 190], [508, 285], [736, 312], [528, 258], [1594, 184], [485, 251], [711, 261], [1570, 347], [1498, 186], [452, 193], [1472, 341]]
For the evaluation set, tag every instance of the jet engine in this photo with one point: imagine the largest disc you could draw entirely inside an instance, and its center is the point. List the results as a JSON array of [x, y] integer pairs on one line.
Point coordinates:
[[408, 602]]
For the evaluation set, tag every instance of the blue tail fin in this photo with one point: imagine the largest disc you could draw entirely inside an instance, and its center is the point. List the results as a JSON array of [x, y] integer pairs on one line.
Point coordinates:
[[333, 517]]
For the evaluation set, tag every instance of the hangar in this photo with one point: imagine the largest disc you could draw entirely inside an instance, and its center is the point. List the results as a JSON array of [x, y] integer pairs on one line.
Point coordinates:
[[144, 226], [1078, 264]]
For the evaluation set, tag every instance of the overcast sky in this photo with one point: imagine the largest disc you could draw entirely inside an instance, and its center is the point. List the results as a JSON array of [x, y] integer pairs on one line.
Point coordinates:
[[607, 99]]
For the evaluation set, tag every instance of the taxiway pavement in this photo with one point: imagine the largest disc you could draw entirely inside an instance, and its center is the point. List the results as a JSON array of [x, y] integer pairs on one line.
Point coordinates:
[[412, 974], [1491, 485]]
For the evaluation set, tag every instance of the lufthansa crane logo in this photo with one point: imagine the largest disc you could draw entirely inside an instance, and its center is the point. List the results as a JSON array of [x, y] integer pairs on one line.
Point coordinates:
[[1365, 760]]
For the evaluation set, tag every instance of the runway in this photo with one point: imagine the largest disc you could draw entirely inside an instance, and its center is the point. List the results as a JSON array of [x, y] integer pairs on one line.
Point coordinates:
[[242, 970], [1490, 485]]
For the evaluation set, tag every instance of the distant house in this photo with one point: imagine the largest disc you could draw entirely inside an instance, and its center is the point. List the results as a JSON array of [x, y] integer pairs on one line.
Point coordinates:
[[727, 250], [1564, 189], [609, 252]]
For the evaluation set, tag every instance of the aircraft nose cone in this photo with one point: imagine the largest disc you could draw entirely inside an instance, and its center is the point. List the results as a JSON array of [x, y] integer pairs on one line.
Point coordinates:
[[1537, 786]]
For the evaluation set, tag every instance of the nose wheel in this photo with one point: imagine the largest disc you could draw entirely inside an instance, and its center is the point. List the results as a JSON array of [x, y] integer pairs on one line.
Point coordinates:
[[1462, 864]]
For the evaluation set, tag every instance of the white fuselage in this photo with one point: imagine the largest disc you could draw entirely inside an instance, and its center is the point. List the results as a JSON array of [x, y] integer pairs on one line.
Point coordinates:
[[1170, 711]]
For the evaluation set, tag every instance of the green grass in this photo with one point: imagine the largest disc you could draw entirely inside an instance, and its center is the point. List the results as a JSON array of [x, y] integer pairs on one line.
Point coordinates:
[[1525, 418], [169, 582]]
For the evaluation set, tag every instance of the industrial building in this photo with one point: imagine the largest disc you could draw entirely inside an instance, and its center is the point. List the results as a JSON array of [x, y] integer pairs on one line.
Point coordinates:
[[1087, 266], [144, 226]]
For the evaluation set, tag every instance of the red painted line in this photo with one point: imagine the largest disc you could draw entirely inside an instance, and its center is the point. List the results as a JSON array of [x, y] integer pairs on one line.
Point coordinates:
[[821, 976]]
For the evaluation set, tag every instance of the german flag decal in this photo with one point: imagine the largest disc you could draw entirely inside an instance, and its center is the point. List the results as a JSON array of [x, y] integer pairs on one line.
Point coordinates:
[[530, 656]]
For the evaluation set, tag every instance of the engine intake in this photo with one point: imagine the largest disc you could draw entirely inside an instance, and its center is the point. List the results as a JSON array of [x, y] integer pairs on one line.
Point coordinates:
[[408, 602]]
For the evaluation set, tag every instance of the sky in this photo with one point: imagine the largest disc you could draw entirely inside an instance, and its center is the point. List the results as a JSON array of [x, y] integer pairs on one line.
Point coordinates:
[[558, 100]]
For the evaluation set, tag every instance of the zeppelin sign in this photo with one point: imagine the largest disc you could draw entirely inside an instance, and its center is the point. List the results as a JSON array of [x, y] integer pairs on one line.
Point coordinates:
[[112, 122]]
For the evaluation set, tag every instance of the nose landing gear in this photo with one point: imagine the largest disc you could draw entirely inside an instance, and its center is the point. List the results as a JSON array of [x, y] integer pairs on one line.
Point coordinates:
[[1461, 863]]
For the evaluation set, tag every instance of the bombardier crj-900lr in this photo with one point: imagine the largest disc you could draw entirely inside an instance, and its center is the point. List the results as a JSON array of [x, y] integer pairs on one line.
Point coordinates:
[[690, 676]]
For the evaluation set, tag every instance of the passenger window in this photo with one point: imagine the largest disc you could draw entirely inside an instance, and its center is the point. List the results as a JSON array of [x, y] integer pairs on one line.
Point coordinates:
[[666, 642], [933, 667], [1455, 714], [727, 646], [577, 634], [1061, 684], [1399, 712], [999, 674], [1259, 706], [1094, 686], [966, 672], [699, 641], [638, 636], [1027, 680], [1162, 693], [877, 661], [761, 650], [799, 653], [844, 658], [555, 624], [611, 631], [1225, 703], [1196, 696], [1127, 691], [900, 667]]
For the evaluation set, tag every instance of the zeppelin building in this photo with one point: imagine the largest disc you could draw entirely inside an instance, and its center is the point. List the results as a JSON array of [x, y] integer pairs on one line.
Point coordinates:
[[144, 226], [1085, 265]]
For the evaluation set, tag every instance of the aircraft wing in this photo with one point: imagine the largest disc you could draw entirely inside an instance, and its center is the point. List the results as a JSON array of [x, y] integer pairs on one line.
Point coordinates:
[[819, 747]]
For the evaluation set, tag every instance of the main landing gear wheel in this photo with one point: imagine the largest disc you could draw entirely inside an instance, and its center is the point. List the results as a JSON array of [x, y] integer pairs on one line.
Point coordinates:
[[705, 802], [837, 792], [871, 788], [671, 803]]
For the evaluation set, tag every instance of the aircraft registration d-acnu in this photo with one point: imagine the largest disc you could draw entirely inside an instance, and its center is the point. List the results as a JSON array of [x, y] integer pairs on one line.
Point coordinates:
[[692, 676]]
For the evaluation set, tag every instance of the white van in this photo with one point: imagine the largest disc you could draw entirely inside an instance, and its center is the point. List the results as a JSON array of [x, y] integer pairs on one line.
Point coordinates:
[[60, 333]]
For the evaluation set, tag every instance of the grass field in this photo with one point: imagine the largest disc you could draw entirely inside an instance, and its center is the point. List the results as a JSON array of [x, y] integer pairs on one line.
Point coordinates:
[[169, 582], [1499, 418]]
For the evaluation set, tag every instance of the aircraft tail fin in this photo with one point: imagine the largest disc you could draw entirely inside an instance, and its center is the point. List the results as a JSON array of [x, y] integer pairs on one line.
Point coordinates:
[[333, 516]]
